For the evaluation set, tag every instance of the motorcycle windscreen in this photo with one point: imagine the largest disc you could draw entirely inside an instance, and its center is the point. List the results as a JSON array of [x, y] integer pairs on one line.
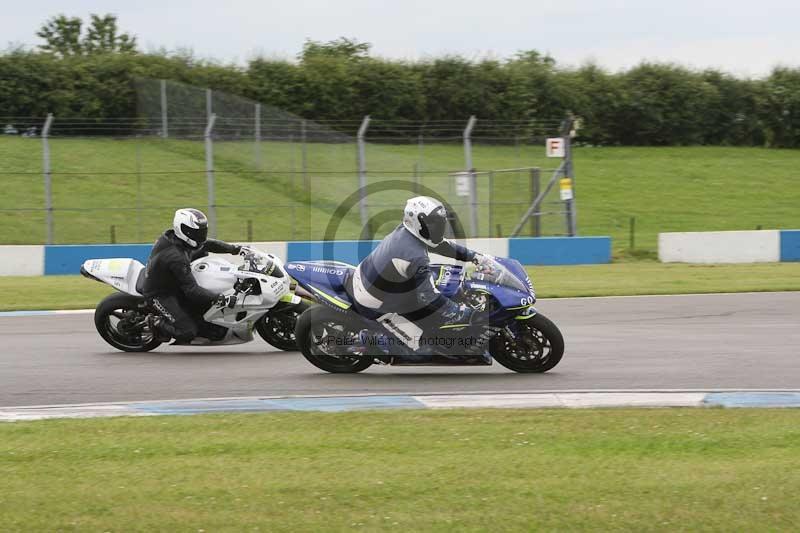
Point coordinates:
[[492, 271]]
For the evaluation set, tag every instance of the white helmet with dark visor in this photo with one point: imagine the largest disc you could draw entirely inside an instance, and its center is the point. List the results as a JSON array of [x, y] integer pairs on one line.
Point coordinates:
[[426, 219], [191, 226]]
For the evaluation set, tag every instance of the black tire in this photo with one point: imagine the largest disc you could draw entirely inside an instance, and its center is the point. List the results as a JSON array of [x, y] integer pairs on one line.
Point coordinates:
[[540, 348], [277, 327], [117, 309], [320, 321]]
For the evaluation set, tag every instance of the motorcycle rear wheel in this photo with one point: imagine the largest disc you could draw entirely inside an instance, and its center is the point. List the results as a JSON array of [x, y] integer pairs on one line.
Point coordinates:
[[116, 318], [277, 328], [538, 346], [323, 336]]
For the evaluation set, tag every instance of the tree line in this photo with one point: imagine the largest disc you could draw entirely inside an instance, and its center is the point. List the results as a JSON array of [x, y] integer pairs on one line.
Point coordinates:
[[91, 74]]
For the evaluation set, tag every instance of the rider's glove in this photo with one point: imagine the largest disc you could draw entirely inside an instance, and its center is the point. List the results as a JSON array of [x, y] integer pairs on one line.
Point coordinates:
[[245, 251], [484, 264], [224, 300], [480, 258]]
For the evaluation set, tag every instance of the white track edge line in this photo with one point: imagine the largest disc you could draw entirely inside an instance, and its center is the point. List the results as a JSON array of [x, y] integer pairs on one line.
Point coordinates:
[[368, 395]]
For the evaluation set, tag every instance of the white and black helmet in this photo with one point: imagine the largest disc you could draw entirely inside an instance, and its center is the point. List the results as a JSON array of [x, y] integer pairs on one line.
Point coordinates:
[[191, 226], [426, 219]]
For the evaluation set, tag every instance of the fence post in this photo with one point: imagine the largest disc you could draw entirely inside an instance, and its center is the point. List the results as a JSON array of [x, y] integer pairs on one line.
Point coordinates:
[[164, 123], [209, 107], [569, 173], [303, 153], [212, 207], [48, 185], [138, 189], [421, 149], [473, 185], [536, 203], [257, 135], [536, 186], [362, 171], [491, 204]]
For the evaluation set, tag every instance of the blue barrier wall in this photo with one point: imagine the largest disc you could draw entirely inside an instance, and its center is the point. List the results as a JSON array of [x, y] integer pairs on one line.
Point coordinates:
[[560, 250], [790, 245], [346, 251], [528, 251], [67, 259]]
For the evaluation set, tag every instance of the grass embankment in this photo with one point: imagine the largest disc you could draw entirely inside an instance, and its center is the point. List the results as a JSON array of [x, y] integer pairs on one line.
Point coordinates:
[[666, 189], [594, 470], [622, 279]]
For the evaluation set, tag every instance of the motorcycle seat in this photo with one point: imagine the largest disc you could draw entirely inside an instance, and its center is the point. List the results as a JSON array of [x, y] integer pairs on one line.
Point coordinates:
[[140, 282]]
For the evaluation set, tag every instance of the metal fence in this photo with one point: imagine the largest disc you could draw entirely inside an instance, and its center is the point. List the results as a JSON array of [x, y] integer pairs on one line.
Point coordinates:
[[263, 174]]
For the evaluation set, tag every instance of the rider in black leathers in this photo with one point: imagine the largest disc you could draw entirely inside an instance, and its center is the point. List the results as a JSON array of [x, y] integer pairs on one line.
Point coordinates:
[[169, 282]]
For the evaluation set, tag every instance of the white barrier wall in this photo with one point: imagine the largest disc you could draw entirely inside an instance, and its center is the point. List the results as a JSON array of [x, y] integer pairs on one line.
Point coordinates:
[[720, 247], [21, 260], [277, 249], [495, 247]]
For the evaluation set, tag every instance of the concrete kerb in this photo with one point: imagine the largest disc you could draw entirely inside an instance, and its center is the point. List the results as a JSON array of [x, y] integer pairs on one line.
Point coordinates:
[[491, 400]]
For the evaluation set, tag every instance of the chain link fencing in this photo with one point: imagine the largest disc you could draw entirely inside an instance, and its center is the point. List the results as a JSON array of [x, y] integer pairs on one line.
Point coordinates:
[[264, 174]]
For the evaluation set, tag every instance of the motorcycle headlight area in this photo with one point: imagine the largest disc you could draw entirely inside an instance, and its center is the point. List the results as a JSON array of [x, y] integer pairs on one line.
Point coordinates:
[[263, 264]]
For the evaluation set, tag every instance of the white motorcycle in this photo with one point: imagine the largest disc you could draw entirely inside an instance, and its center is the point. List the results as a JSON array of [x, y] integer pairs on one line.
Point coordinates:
[[264, 302]]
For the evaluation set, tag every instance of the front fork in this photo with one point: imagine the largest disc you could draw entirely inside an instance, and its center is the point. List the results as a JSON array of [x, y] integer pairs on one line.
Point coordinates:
[[526, 314]]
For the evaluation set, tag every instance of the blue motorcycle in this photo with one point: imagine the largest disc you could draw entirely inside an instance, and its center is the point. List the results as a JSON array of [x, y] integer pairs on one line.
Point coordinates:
[[504, 326]]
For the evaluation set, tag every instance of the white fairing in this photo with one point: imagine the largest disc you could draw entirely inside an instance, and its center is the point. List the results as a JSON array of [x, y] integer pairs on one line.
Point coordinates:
[[119, 273], [214, 273], [219, 276]]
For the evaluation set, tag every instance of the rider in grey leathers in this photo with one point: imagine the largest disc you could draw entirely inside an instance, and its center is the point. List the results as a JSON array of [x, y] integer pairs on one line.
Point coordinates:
[[395, 279]]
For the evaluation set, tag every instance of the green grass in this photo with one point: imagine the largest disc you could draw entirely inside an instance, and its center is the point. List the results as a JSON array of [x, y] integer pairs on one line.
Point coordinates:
[[621, 279], [50, 292], [665, 189], [628, 279], [460, 470]]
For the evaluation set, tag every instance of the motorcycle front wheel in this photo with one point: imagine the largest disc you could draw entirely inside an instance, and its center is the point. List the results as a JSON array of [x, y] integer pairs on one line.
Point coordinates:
[[537, 346], [119, 319], [325, 337], [278, 326]]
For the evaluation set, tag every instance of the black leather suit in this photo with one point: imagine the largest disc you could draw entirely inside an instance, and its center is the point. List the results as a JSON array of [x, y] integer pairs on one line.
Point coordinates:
[[169, 282]]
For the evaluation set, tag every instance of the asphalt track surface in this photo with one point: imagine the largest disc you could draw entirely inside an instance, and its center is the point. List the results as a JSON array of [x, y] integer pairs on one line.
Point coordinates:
[[700, 342]]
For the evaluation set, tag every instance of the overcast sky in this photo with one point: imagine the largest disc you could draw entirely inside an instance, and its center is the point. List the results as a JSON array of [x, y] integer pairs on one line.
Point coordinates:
[[743, 38]]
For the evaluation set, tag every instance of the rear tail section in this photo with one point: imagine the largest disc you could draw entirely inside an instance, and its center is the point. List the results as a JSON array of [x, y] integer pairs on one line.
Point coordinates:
[[324, 280], [120, 273]]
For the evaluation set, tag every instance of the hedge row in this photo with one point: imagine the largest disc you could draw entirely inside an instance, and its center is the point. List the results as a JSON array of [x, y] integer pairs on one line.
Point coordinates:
[[650, 104]]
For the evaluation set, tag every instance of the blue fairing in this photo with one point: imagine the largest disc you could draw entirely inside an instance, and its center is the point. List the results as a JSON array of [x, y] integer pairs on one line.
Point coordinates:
[[447, 278], [324, 279], [508, 297], [518, 270]]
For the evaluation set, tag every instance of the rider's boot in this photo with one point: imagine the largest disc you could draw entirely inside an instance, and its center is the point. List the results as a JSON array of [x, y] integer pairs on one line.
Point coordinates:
[[484, 356], [156, 325]]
